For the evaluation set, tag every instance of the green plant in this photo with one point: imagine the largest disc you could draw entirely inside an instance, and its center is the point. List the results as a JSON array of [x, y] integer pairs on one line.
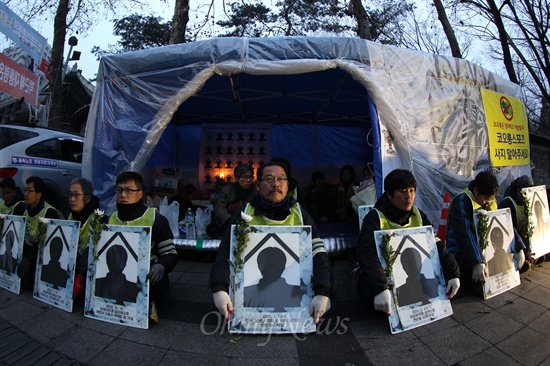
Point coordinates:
[[482, 229]]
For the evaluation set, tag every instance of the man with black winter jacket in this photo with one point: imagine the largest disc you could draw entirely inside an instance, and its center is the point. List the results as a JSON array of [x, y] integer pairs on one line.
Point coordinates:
[[273, 206], [395, 210], [131, 211]]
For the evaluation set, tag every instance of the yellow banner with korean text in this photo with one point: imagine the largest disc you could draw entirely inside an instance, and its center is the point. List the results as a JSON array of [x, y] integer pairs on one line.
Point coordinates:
[[507, 129]]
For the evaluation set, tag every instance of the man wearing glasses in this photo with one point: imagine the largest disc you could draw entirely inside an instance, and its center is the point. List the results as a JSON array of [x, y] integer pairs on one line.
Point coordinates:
[[36, 208], [231, 198], [462, 238], [273, 206], [130, 210]]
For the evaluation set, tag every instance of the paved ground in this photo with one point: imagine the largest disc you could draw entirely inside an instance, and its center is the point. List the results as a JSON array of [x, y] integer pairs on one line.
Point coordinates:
[[510, 329]]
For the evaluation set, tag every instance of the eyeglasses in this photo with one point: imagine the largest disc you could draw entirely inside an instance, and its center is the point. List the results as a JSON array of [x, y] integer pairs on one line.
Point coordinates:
[[76, 195], [246, 177], [128, 191], [29, 190], [269, 179]]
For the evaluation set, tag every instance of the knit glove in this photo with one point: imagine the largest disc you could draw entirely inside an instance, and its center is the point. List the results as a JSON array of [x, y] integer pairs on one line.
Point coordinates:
[[452, 287], [382, 302], [319, 306], [223, 303]]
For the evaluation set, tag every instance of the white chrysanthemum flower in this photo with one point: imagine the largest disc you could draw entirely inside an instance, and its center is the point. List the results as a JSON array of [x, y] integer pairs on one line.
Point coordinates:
[[44, 220], [482, 211], [246, 217], [99, 212], [2, 216]]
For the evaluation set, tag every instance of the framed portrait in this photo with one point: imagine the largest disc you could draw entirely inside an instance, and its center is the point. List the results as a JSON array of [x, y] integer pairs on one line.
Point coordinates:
[[362, 211], [117, 289], [11, 251], [415, 278], [540, 220], [499, 253], [273, 291], [55, 269]]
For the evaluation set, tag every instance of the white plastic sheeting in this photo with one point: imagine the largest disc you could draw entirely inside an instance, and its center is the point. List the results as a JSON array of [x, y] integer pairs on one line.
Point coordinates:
[[427, 111]]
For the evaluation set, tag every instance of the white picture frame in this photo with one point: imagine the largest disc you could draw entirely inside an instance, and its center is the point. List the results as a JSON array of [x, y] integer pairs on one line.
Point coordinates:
[[121, 250], [285, 310], [499, 254], [55, 269], [12, 235], [426, 300], [540, 218]]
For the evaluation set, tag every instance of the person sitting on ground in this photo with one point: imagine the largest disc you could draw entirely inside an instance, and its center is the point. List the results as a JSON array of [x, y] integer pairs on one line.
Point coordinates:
[[13, 200], [365, 193], [230, 200], [462, 238], [394, 210], [344, 192], [318, 198], [35, 209], [130, 210], [273, 206], [83, 204], [515, 201], [368, 175]]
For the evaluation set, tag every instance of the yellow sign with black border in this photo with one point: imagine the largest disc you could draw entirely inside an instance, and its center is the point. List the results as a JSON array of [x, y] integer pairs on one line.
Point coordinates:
[[507, 129]]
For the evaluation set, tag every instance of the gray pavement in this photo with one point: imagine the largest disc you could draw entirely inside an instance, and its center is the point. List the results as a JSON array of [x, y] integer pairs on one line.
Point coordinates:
[[510, 329]]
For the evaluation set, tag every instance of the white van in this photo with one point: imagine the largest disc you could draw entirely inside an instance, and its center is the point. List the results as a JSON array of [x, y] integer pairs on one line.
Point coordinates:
[[53, 155]]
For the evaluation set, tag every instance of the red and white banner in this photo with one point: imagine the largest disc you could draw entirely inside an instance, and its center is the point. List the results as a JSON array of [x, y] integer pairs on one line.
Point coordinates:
[[17, 81]]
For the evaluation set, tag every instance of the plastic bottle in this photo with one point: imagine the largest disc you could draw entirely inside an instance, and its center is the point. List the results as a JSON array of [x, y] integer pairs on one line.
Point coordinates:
[[190, 224]]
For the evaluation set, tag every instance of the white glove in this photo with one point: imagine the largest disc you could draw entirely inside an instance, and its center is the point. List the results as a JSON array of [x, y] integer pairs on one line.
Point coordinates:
[[479, 273], [382, 302], [519, 259], [223, 303], [318, 307], [452, 287]]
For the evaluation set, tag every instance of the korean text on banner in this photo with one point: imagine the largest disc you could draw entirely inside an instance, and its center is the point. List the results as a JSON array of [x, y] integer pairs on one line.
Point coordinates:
[[507, 129], [21, 33], [17, 81]]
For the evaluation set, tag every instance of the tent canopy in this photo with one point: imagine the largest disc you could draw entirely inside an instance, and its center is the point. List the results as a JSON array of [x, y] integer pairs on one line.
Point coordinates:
[[330, 102]]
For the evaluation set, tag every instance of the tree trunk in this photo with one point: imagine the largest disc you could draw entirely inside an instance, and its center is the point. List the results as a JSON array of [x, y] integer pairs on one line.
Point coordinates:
[[179, 22], [56, 65], [442, 15], [360, 14], [503, 38]]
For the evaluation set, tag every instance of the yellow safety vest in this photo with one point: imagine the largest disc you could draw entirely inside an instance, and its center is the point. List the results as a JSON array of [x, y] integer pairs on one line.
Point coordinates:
[[147, 219], [84, 233], [492, 207], [294, 219], [31, 228], [414, 221], [7, 210], [520, 218]]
